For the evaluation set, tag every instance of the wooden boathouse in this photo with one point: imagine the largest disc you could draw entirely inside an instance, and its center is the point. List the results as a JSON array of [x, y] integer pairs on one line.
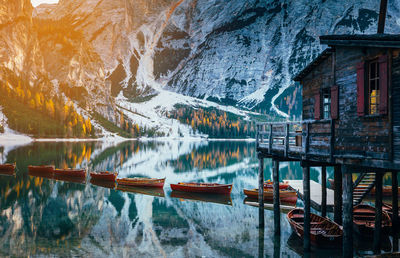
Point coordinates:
[[350, 121]]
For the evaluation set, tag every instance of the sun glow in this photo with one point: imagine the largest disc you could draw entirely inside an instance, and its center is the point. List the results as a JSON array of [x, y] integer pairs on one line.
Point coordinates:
[[39, 2]]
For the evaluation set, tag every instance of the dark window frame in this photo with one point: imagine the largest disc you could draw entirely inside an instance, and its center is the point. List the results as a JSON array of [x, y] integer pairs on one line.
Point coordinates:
[[371, 85], [326, 103]]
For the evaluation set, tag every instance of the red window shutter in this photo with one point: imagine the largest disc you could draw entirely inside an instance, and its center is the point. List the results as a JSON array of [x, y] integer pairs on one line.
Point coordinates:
[[317, 106], [383, 84], [335, 102], [361, 89]]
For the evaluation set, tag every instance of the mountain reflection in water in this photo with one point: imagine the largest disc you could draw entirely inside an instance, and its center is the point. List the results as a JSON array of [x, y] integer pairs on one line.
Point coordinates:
[[43, 216]]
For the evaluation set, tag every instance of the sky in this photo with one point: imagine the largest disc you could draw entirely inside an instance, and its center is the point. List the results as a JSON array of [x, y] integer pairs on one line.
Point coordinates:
[[38, 2]]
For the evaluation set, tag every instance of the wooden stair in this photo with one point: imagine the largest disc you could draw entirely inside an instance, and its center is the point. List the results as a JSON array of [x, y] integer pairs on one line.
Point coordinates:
[[363, 185]]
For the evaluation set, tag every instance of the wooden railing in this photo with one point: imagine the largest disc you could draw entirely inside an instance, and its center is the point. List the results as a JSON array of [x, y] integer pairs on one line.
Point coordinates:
[[297, 138]]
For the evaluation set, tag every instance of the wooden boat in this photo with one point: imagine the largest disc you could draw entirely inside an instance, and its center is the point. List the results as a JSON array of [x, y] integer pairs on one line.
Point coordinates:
[[288, 195], [103, 183], [49, 169], [106, 176], [194, 187], [7, 167], [152, 191], [143, 182], [364, 220], [213, 198], [282, 185], [70, 172], [323, 231], [388, 208]]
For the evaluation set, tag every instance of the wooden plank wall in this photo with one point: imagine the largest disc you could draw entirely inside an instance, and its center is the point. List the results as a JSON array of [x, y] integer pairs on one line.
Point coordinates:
[[365, 136], [320, 77], [396, 104]]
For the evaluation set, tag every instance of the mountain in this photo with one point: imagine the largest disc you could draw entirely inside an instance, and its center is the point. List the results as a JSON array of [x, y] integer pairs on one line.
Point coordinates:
[[124, 63]]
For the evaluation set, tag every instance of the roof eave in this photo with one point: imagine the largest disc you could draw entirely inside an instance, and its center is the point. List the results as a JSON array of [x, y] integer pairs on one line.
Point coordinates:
[[361, 43]]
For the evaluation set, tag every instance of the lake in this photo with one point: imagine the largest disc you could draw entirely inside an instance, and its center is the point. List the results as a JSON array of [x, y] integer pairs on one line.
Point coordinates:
[[41, 216]]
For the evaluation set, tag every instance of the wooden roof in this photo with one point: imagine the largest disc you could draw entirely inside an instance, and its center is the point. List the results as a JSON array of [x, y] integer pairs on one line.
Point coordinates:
[[370, 40]]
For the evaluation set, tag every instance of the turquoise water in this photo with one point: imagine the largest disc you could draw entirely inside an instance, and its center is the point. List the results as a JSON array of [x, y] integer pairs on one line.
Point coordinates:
[[41, 216]]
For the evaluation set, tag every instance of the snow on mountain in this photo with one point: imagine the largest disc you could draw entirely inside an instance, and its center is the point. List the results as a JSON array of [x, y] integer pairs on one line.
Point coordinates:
[[142, 57]]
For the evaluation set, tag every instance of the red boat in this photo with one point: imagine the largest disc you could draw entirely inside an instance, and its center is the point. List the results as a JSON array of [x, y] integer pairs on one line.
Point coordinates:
[[143, 182], [323, 231], [70, 172], [7, 167], [48, 169], [285, 195], [106, 176], [202, 188], [364, 220], [282, 186], [388, 208]]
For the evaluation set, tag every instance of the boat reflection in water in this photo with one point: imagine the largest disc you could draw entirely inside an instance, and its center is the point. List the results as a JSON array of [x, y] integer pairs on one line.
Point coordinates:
[[214, 198], [103, 183], [7, 173], [152, 191], [44, 174], [71, 179], [285, 207]]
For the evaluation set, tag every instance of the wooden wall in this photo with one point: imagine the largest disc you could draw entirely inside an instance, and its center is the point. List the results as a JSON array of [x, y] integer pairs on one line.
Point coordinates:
[[396, 104], [320, 77], [365, 136], [358, 137]]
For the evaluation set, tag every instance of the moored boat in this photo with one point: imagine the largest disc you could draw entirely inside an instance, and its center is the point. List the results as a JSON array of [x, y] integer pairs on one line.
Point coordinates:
[[70, 172], [194, 187], [282, 185], [49, 169], [7, 167], [285, 195], [143, 182], [364, 220], [323, 231], [104, 175]]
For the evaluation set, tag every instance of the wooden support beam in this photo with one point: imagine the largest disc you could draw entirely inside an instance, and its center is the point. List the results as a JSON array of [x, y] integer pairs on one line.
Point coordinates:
[[323, 194], [270, 139], [307, 211], [277, 214], [277, 246], [287, 140], [261, 232], [347, 211], [395, 201], [261, 190], [338, 195], [378, 212]]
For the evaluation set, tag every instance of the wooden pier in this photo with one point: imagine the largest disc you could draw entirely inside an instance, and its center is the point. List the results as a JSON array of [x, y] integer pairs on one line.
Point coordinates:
[[315, 194]]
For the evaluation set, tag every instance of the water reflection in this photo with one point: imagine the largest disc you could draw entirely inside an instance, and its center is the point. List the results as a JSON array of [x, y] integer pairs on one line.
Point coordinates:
[[67, 218]]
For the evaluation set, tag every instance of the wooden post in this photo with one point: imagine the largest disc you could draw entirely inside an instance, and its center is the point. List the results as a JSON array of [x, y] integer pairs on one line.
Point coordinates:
[[277, 246], [347, 212], [261, 190], [323, 202], [306, 191], [261, 231], [395, 201], [277, 215], [338, 195], [270, 139], [287, 140], [378, 211]]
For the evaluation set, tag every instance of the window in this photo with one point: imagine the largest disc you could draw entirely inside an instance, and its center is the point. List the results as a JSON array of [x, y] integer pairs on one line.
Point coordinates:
[[373, 88], [326, 98]]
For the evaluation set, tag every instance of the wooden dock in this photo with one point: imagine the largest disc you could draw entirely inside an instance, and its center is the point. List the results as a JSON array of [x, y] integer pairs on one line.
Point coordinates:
[[316, 194]]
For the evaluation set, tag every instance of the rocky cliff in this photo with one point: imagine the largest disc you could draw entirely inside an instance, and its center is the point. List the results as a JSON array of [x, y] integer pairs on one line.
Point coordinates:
[[147, 56]]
